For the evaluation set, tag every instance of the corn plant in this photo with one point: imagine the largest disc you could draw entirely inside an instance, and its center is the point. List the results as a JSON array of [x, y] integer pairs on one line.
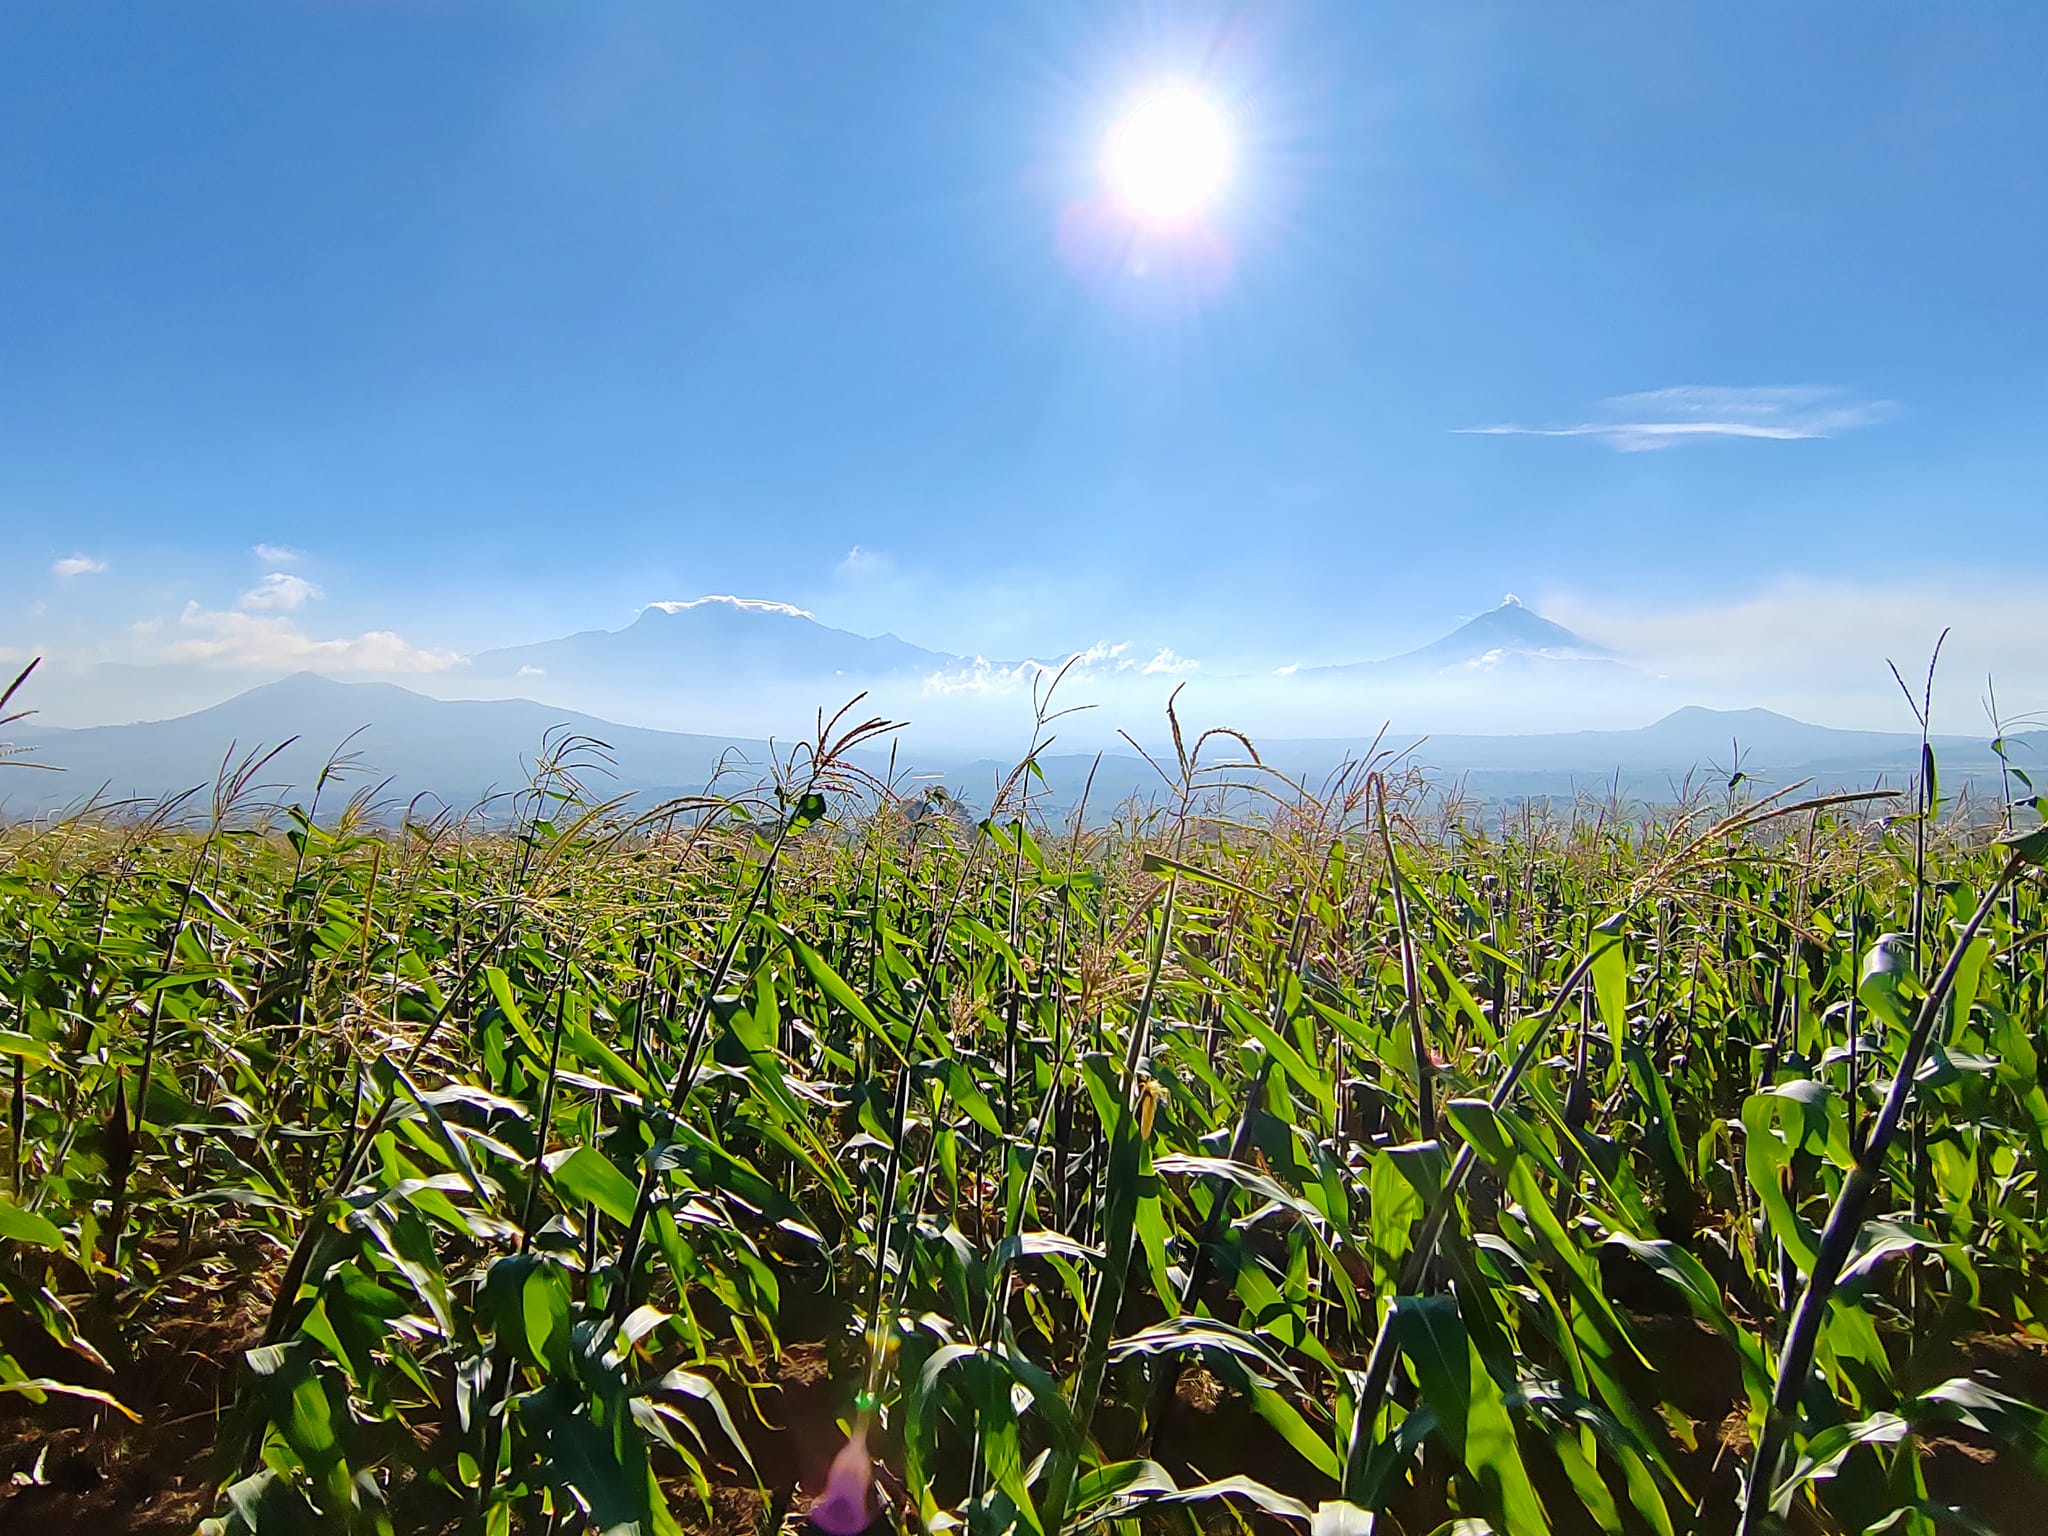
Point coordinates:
[[1333, 1155]]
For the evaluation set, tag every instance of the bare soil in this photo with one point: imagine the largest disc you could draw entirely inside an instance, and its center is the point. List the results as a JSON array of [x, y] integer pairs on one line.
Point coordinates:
[[72, 1467]]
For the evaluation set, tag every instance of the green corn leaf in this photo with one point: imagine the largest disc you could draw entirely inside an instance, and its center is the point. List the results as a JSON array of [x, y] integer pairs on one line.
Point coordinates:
[[18, 1225], [36, 1388], [1470, 1412], [1038, 1244], [1281, 1414], [587, 1177], [701, 1388], [1402, 1182], [1825, 1452], [1610, 981], [1200, 1334], [843, 997], [544, 1318], [2030, 844], [1480, 1124]]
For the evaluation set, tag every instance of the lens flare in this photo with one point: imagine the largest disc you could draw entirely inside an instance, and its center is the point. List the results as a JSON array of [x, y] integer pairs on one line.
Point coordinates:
[[843, 1508]]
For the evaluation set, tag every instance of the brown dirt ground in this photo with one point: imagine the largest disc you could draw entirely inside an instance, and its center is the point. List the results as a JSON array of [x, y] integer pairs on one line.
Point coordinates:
[[68, 1467]]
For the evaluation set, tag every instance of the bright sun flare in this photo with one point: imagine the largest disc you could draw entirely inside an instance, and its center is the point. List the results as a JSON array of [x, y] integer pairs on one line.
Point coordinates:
[[1168, 158]]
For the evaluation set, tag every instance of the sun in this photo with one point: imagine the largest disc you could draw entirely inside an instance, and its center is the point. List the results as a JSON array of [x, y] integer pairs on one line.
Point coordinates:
[[1167, 160]]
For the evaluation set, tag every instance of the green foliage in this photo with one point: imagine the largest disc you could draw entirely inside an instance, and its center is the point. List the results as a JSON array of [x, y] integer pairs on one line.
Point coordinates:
[[1353, 1136]]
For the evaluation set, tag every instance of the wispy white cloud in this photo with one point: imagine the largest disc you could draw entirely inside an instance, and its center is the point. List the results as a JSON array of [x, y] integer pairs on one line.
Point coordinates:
[[981, 675], [1099, 656], [277, 554], [1664, 418], [77, 565], [280, 592], [264, 642], [1102, 661], [862, 564]]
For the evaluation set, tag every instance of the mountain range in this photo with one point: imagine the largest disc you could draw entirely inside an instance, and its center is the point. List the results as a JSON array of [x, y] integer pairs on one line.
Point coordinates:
[[710, 640], [719, 641], [727, 660], [750, 666], [460, 750]]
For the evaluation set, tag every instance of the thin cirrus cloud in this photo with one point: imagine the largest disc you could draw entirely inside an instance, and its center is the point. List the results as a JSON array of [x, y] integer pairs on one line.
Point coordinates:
[[77, 565], [1690, 413], [277, 554]]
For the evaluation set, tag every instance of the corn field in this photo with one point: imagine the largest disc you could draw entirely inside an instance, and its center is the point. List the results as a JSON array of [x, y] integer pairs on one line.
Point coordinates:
[[1330, 1158]]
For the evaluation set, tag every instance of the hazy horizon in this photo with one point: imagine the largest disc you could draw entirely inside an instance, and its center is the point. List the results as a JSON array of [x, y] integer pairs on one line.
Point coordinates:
[[421, 333]]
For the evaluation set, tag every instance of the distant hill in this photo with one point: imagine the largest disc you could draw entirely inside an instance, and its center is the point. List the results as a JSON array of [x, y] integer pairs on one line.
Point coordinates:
[[454, 749], [1646, 765], [1770, 746], [458, 750]]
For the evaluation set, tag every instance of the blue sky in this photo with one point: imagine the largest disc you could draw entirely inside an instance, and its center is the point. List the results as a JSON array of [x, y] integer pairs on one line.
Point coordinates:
[[493, 322]]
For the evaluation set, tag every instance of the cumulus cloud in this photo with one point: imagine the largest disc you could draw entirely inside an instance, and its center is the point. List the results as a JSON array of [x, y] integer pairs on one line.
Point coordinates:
[[984, 676], [1664, 418], [277, 554], [1102, 661], [1170, 662], [280, 592], [264, 642], [1098, 656], [77, 565]]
